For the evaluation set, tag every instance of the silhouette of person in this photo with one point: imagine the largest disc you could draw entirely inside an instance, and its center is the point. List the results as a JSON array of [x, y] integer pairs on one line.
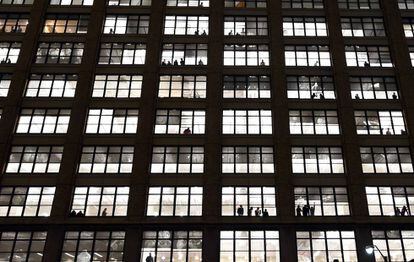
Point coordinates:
[[149, 258], [250, 211], [240, 210], [265, 213], [257, 212], [298, 211], [306, 210], [72, 213], [104, 212], [397, 212]]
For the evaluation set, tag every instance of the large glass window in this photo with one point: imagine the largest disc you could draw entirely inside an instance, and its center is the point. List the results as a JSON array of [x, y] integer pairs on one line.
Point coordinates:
[[375, 122], [248, 201], [317, 160], [246, 55], [397, 245], [406, 4], [112, 121], [106, 159], [185, 54], [314, 122], [13, 23], [182, 86], [386, 160], [312, 4], [390, 201], [177, 159], [175, 121], [117, 86], [126, 24], [129, 2], [304, 26], [246, 86], [59, 53], [33, 201], [307, 56], [9, 52], [175, 201], [5, 81], [411, 50], [247, 122], [22, 245], [245, 25], [34, 159], [362, 27], [245, 3], [368, 56], [66, 24], [186, 25], [16, 2], [101, 201], [359, 4], [247, 159], [70, 2], [45, 85], [122, 54], [188, 3], [43, 121], [321, 201], [310, 87], [374, 87]]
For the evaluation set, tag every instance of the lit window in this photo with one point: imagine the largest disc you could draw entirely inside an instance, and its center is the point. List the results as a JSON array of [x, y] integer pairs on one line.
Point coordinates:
[[188, 3], [26, 245], [117, 86], [43, 121], [307, 56], [67, 24], [106, 159], [71, 2], [122, 54], [175, 201], [374, 122], [304, 26], [126, 24], [368, 56], [5, 81], [129, 2], [390, 201], [186, 25], [362, 27], [101, 201], [386, 160], [248, 201], [317, 160], [374, 87], [245, 25], [177, 159], [244, 159], [397, 245], [9, 52], [406, 4], [321, 201], [314, 122], [112, 121], [175, 121], [34, 159], [310, 87], [45, 85], [411, 50], [16, 2], [96, 245], [246, 55], [182, 86], [359, 4], [246, 86], [26, 201], [59, 53], [14, 23], [247, 122], [245, 3], [184, 54], [308, 4]]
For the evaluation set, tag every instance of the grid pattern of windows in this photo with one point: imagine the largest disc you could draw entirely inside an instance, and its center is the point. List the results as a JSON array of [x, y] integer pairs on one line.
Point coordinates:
[[175, 201], [112, 121], [177, 159], [386, 160], [246, 86], [362, 27], [66, 24], [186, 54], [359, 4], [248, 201], [188, 3], [167, 245], [16, 2], [244, 159], [34, 159], [314, 122], [317, 246], [397, 245], [122, 54], [390, 201], [374, 87], [186, 25], [310, 87], [69, 2], [304, 26], [308, 4], [380, 122], [247, 122], [59, 53], [246, 55], [321, 201], [22, 245], [175, 121], [406, 4], [117, 86], [307, 56], [129, 2], [257, 245], [13, 23], [93, 246], [126, 24], [245, 3], [101, 201], [45, 85], [9, 52], [106, 159], [26, 201], [43, 121], [182, 86], [368, 56], [317, 160], [5, 81], [245, 25]]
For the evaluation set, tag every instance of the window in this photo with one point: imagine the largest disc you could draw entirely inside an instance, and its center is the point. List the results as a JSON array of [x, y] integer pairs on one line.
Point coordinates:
[[117, 86], [317, 160], [397, 245], [374, 87], [244, 159], [186, 25], [246, 55], [304, 26], [310, 87], [129, 2], [5, 81], [386, 160], [314, 122], [16, 2], [182, 86], [175, 201], [362, 27], [122, 54], [66, 24], [177, 159], [257, 245], [245, 3], [176, 121], [126, 24], [247, 122], [9, 52], [307, 56], [34, 159], [26, 201], [22, 245], [375, 122], [185, 246], [101, 201], [71, 2], [249, 199], [112, 121], [43, 121], [321, 201], [390, 201], [93, 245], [314, 4], [188, 3], [411, 50], [246, 86], [245, 25], [368, 56], [317, 246], [106, 159], [14, 23], [186, 54], [45, 85], [358, 4], [59, 53], [406, 4]]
